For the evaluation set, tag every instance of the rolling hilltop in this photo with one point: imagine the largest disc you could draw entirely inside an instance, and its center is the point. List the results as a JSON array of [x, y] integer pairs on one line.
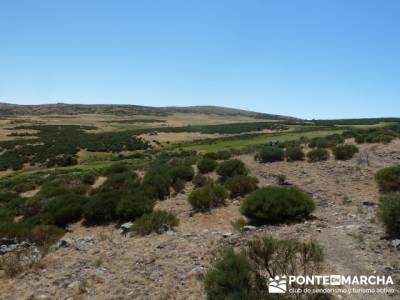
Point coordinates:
[[7, 109]]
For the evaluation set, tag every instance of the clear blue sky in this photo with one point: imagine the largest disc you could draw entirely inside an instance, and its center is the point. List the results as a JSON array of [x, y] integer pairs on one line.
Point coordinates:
[[311, 59]]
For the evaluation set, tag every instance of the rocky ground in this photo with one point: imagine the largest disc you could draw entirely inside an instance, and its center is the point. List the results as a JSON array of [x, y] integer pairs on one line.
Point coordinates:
[[100, 263]]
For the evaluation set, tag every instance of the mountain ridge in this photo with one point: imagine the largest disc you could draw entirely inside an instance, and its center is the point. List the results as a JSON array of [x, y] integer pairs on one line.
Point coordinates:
[[8, 109]]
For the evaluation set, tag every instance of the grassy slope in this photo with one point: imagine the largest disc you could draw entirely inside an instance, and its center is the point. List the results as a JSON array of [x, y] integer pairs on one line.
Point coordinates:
[[257, 140]]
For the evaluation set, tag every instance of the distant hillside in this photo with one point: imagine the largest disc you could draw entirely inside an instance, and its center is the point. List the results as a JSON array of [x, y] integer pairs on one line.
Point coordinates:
[[7, 109]]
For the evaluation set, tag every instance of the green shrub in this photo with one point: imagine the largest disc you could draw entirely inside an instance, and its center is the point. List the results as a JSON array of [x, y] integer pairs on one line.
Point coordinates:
[[157, 186], [134, 205], [207, 197], [223, 155], [116, 168], [319, 142], [277, 204], [211, 155], [45, 235], [244, 275], [241, 185], [178, 186], [6, 197], [120, 182], [157, 181], [24, 187], [157, 221], [294, 153], [63, 210], [42, 235], [318, 155], [206, 165], [200, 180], [182, 172], [231, 168], [229, 278], [272, 256], [344, 152], [101, 208], [389, 179], [270, 154], [89, 178], [191, 160], [389, 213]]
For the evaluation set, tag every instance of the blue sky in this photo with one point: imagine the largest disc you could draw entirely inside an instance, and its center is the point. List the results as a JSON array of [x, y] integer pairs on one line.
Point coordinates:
[[309, 58]]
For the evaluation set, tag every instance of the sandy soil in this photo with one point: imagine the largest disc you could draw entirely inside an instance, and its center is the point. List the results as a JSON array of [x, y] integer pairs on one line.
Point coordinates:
[[166, 266]]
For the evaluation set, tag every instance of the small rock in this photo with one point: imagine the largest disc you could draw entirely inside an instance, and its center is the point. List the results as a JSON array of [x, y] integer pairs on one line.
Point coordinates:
[[196, 271], [396, 243], [125, 228], [248, 228], [227, 234]]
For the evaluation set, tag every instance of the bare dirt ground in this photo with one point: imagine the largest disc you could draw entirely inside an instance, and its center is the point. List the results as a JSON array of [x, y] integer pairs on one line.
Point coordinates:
[[108, 265]]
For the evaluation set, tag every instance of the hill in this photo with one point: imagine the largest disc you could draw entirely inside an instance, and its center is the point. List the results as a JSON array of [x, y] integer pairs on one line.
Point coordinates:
[[7, 109]]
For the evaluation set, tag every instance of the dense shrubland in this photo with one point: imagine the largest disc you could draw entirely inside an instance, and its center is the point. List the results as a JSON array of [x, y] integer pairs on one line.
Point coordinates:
[[59, 145]]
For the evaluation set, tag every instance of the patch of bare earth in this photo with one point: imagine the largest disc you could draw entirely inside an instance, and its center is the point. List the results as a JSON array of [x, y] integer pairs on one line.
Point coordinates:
[[167, 266]]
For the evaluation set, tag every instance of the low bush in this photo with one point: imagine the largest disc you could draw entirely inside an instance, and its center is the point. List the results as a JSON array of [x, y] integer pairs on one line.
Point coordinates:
[[344, 152], [270, 154], [158, 221], [207, 197], [389, 213], [101, 208], [123, 181], [229, 278], [211, 155], [231, 168], [200, 180], [45, 235], [207, 165], [191, 160], [294, 153], [157, 186], [116, 168], [178, 186], [245, 275], [277, 204], [223, 155], [182, 172], [318, 155], [41, 235], [241, 185], [63, 210], [388, 179], [319, 142], [133, 205], [89, 178], [24, 187]]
